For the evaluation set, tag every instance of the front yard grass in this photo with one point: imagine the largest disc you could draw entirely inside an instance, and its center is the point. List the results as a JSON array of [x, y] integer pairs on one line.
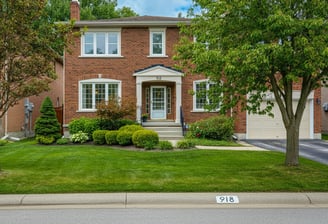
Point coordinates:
[[27, 167]]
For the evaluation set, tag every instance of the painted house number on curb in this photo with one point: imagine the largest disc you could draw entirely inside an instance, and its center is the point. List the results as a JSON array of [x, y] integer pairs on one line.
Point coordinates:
[[227, 199]]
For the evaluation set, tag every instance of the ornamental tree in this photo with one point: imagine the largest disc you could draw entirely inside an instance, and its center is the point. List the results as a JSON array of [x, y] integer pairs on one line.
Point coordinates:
[[250, 48], [28, 46]]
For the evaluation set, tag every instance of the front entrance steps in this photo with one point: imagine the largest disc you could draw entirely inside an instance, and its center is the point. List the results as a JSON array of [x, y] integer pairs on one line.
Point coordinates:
[[167, 130]]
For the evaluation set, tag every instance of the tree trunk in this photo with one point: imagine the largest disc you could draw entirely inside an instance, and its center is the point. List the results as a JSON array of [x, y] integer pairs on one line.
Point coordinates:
[[292, 146]]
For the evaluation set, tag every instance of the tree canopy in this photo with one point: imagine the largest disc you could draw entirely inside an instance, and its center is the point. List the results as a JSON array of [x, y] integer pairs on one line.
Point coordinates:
[[250, 48], [28, 46], [59, 10]]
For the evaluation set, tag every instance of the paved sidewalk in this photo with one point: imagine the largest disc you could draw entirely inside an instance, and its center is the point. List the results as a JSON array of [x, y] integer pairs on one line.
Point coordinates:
[[166, 200]]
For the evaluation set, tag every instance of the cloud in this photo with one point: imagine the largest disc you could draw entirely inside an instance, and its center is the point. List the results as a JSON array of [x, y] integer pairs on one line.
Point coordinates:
[[169, 8]]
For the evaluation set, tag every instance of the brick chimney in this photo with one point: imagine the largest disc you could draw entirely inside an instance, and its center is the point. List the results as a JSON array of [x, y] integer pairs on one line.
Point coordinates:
[[75, 10]]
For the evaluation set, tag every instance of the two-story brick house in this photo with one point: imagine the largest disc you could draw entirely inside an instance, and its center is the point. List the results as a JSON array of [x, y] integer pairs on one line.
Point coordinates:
[[132, 57]]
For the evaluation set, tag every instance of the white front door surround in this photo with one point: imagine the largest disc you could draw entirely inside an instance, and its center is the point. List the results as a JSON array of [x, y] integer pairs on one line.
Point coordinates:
[[159, 73]]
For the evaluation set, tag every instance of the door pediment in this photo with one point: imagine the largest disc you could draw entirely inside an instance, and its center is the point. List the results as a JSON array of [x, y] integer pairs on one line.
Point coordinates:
[[158, 71]]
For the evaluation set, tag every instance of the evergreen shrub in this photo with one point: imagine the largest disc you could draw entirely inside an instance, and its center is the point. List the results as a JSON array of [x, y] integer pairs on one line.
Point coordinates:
[[47, 128], [144, 137], [124, 138], [111, 137], [99, 137], [218, 128]]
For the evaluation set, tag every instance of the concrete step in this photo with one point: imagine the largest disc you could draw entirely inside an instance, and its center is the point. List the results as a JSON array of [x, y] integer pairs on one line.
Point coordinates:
[[165, 130]]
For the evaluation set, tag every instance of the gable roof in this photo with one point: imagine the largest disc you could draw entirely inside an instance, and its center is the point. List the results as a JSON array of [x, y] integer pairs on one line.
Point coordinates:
[[134, 22]]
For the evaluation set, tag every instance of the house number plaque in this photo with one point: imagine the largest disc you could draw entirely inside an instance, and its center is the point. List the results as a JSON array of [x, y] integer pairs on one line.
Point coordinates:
[[227, 199]]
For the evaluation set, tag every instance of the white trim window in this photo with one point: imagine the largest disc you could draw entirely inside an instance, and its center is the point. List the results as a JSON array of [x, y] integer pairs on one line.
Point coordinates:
[[157, 42], [101, 43], [94, 91], [203, 89]]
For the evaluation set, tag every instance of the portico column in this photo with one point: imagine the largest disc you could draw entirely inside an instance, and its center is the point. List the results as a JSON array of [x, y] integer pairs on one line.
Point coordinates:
[[178, 91], [139, 100]]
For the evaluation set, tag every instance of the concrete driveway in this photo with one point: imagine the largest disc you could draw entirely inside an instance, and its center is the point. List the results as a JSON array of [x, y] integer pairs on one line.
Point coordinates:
[[316, 150]]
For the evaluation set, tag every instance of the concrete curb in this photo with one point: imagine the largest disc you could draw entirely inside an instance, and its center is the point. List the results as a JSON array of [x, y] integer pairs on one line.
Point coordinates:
[[167, 200]]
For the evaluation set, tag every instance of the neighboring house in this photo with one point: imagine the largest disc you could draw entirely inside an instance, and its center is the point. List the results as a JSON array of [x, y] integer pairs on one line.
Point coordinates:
[[324, 100], [132, 57], [15, 124]]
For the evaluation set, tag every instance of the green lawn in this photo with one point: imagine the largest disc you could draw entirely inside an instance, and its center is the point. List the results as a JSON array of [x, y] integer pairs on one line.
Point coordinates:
[[30, 168]]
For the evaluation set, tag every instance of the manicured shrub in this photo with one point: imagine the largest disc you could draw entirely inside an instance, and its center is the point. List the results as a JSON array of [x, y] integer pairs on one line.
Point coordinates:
[[185, 144], [47, 127], [149, 145], [91, 125], [79, 137], [218, 128], [165, 145], [45, 140], [62, 141], [3, 142], [86, 125], [99, 137], [108, 124], [111, 137], [131, 128], [124, 137], [142, 137], [76, 125]]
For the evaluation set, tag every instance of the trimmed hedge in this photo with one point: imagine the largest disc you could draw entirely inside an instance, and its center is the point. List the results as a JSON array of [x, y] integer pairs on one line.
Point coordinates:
[[124, 137], [99, 137], [218, 128], [111, 137], [143, 138]]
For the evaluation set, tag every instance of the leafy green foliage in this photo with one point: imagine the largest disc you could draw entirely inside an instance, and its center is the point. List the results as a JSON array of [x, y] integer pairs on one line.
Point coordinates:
[[3, 142], [47, 126], [131, 128], [28, 47], [79, 137], [45, 140], [185, 144], [111, 137], [142, 138], [165, 145], [86, 125], [62, 141], [98, 137], [252, 49], [218, 128], [124, 137], [58, 10]]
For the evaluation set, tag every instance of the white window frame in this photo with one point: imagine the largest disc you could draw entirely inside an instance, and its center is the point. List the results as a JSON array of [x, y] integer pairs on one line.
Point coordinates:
[[93, 82], [208, 83], [161, 31], [107, 32]]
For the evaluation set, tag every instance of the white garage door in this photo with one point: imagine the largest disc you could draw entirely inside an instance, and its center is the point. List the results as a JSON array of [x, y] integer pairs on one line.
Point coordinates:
[[265, 127]]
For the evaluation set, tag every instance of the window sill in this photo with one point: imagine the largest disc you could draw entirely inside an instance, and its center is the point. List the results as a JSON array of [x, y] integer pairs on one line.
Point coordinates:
[[203, 111], [157, 56], [101, 56], [86, 111]]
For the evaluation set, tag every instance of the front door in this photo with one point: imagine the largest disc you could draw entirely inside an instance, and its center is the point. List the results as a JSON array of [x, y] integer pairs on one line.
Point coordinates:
[[158, 102]]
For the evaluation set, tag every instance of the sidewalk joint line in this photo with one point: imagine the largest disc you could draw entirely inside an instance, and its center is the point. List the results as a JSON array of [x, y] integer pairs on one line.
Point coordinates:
[[22, 199], [309, 198]]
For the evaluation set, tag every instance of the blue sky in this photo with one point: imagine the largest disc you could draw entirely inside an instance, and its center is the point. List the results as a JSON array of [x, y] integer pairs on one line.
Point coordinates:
[[169, 8]]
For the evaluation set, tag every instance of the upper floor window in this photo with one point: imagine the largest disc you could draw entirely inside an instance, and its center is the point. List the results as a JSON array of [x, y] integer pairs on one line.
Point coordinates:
[[204, 95], [157, 43], [94, 91], [101, 43]]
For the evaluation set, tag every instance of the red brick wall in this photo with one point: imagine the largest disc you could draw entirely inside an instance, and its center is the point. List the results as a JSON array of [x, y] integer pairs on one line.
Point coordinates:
[[135, 49]]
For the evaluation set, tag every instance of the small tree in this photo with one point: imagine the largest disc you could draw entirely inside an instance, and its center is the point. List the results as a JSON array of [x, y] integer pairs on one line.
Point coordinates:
[[114, 109], [47, 127]]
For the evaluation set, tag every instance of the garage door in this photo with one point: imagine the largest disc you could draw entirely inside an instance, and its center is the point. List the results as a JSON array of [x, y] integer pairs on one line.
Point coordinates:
[[265, 127]]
